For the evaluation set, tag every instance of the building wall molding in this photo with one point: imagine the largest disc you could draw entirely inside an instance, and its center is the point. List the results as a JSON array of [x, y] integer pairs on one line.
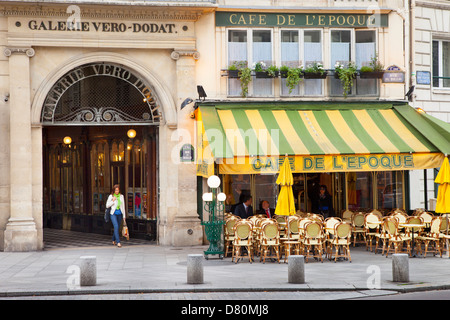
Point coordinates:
[[138, 13], [176, 54], [443, 5], [29, 52]]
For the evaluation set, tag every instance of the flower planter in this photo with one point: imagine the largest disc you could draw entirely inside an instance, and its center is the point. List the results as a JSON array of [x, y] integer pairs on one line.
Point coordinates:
[[233, 73], [315, 75], [371, 75], [283, 74], [264, 74]]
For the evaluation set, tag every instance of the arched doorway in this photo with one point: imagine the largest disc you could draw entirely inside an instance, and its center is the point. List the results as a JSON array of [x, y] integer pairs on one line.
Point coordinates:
[[86, 120]]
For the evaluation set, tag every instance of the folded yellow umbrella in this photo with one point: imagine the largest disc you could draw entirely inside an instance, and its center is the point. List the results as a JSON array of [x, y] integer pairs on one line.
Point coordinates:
[[443, 178], [285, 203]]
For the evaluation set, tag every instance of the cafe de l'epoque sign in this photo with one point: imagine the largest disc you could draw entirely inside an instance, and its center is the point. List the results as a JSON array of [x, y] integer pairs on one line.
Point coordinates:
[[254, 19]]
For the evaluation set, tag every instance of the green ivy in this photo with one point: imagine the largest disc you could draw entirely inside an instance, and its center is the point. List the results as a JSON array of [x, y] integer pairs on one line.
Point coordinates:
[[245, 76]]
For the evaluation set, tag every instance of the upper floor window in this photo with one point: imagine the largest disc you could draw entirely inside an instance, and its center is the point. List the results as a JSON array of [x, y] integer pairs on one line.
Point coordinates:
[[441, 64], [301, 48], [249, 47], [358, 46]]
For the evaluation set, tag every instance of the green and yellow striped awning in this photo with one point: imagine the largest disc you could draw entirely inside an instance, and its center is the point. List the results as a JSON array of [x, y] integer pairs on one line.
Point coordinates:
[[317, 135]]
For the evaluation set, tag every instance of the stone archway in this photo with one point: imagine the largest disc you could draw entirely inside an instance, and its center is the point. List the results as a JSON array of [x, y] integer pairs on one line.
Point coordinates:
[[99, 93], [161, 92]]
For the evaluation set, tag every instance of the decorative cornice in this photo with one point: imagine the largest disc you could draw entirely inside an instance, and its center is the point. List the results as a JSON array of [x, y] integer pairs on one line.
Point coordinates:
[[28, 51], [443, 5], [175, 55], [175, 14]]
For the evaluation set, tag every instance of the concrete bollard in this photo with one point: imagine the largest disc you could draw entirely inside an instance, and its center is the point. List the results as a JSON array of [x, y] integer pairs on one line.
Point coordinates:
[[296, 269], [400, 267], [195, 269], [88, 271]]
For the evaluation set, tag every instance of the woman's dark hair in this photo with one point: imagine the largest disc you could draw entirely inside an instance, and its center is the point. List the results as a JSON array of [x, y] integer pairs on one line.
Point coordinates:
[[114, 188], [324, 187]]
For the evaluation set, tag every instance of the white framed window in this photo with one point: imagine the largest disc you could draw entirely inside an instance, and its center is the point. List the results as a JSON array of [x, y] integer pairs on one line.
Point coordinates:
[[237, 53], [262, 51], [301, 47], [360, 46], [441, 64], [250, 46]]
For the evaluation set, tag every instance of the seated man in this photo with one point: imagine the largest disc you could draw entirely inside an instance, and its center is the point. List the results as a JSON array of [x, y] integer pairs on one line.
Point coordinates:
[[244, 209], [266, 209]]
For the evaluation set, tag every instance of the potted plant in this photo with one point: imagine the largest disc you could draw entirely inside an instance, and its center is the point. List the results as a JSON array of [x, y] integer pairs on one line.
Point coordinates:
[[375, 70], [346, 75], [284, 71], [233, 71], [273, 71], [260, 69], [235, 67], [294, 76], [315, 71]]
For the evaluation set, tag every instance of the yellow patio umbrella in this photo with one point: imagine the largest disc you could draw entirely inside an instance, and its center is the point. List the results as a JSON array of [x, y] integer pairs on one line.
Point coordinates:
[[443, 179], [443, 199], [285, 203]]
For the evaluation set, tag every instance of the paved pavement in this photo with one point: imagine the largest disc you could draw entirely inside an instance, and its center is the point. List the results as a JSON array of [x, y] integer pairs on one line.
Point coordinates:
[[159, 272]]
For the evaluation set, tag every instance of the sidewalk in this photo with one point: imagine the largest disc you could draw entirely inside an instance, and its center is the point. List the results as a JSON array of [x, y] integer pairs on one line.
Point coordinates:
[[152, 268]]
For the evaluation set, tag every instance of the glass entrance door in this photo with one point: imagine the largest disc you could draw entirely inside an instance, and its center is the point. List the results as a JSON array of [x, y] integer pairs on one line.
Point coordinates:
[[338, 192]]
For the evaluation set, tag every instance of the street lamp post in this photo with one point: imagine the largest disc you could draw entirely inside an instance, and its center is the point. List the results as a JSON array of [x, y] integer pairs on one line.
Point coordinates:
[[214, 225]]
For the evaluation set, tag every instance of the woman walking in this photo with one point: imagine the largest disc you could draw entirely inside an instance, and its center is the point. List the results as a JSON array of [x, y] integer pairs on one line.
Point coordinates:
[[116, 202]]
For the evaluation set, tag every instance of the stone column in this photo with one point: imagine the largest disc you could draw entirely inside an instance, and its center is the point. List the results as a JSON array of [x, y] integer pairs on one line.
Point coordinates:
[[20, 232], [187, 229]]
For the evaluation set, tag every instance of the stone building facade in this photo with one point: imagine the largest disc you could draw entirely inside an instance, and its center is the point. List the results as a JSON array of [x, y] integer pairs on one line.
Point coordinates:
[[59, 58]]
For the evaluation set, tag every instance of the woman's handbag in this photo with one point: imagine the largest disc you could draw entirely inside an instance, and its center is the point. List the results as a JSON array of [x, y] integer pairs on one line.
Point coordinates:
[[108, 215], [125, 230]]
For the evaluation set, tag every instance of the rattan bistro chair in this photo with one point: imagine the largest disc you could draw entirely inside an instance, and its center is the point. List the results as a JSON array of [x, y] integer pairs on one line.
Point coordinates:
[[243, 232], [426, 217], [414, 220], [372, 224], [358, 227], [433, 237], [229, 233], [281, 220], [347, 215], [329, 224], [394, 237], [341, 240], [270, 239], [313, 240], [292, 239]]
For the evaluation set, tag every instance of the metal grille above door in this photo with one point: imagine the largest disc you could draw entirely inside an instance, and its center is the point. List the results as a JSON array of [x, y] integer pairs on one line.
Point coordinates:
[[100, 94]]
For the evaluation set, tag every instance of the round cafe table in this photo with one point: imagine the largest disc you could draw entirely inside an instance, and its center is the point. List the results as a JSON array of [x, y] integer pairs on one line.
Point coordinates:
[[411, 226]]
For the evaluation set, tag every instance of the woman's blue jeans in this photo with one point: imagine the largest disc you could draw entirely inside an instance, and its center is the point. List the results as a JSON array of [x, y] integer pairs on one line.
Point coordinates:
[[116, 220]]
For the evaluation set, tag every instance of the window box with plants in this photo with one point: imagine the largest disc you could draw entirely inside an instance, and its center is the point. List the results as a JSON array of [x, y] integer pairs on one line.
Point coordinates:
[[284, 71], [234, 68], [375, 70], [315, 71], [346, 74], [233, 72], [239, 70], [261, 71]]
